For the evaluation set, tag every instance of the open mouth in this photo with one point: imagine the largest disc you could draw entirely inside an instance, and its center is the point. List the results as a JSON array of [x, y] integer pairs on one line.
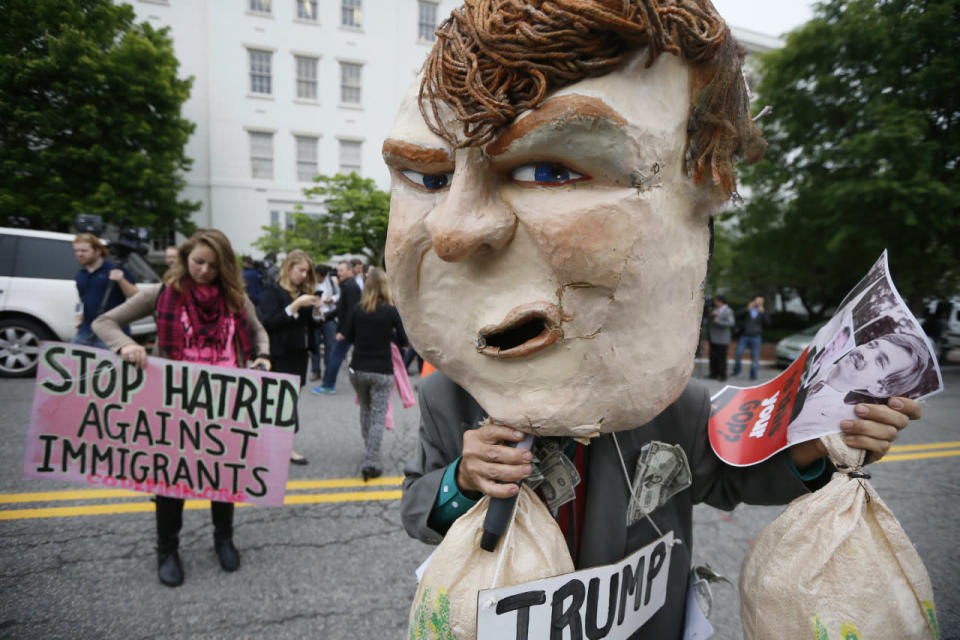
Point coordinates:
[[525, 330]]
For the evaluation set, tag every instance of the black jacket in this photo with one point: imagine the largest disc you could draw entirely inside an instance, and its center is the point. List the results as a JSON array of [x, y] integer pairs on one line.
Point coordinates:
[[288, 335], [349, 297]]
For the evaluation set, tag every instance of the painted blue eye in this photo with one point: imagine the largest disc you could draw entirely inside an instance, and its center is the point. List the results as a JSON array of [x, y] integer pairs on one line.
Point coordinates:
[[430, 182], [546, 174]]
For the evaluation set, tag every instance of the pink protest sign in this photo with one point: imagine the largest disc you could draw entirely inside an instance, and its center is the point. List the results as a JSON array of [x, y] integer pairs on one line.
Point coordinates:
[[174, 429]]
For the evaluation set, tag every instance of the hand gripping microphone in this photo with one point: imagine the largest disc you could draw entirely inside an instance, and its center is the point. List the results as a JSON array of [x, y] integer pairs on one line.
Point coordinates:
[[501, 509]]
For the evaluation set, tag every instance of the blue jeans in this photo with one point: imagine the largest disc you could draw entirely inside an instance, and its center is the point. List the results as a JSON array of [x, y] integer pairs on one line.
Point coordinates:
[[337, 354], [86, 336], [752, 343], [327, 336]]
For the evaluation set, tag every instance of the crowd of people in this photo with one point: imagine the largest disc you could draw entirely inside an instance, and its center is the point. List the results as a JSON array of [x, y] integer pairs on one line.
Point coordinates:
[[212, 310]]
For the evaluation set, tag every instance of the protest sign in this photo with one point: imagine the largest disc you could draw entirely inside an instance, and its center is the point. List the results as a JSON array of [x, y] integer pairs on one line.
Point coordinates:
[[174, 428], [872, 349], [610, 601]]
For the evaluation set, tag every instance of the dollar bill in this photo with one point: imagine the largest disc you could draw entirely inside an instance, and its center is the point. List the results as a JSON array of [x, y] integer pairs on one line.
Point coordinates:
[[560, 479], [682, 477], [662, 471]]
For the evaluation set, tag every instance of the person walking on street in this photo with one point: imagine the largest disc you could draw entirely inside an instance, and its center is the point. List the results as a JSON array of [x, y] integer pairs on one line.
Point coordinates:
[[252, 280], [349, 296], [286, 311], [371, 326], [751, 335], [328, 290], [358, 271], [95, 279], [203, 316], [721, 322]]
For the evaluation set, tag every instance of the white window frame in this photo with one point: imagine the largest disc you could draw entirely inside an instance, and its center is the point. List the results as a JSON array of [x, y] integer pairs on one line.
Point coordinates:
[[260, 6], [260, 73], [306, 7], [351, 14], [345, 167], [349, 84], [261, 154], [304, 82], [425, 29], [307, 159]]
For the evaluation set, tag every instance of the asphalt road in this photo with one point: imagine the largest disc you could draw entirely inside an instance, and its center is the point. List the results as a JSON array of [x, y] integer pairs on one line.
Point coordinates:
[[337, 564]]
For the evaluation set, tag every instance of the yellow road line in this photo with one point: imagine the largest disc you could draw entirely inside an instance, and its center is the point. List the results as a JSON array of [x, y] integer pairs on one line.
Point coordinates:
[[78, 494], [100, 494], [920, 456], [140, 507], [922, 447], [344, 483]]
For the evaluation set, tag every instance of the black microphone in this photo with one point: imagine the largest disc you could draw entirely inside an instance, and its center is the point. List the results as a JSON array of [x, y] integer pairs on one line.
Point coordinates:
[[500, 509]]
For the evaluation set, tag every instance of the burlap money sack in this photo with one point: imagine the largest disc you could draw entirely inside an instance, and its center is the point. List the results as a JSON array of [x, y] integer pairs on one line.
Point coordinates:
[[836, 565], [445, 606]]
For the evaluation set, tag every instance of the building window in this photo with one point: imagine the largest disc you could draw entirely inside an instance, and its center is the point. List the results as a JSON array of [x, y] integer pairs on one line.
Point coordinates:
[[351, 13], [350, 82], [306, 158], [260, 76], [306, 77], [260, 6], [428, 21], [261, 155], [349, 156], [307, 10]]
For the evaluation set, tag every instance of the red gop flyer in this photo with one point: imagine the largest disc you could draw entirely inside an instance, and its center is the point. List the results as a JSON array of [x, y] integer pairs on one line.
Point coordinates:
[[870, 350]]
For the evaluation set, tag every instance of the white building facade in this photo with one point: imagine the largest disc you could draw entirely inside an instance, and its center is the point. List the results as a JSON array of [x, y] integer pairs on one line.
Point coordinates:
[[286, 89]]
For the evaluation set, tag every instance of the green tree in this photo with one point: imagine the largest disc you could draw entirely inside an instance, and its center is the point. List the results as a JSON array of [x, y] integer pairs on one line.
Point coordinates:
[[90, 117], [864, 148], [354, 221], [305, 232]]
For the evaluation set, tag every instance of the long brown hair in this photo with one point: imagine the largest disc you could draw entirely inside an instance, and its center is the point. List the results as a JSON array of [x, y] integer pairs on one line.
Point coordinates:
[[229, 280], [295, 257], [496, 58], [376, 289]]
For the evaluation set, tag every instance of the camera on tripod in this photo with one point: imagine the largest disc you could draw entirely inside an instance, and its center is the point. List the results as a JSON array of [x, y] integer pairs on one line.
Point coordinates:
[[128, 239]]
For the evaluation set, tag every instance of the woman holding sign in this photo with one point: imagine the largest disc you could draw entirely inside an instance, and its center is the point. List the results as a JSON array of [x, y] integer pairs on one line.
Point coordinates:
[[286, 310], [203, 316]]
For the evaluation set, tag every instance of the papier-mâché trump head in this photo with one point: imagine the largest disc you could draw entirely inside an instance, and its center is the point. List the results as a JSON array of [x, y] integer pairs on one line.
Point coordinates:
[[554, 171]]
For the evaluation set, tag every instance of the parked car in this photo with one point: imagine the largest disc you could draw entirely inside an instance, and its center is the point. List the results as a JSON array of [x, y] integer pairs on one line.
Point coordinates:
[[790, 348], [948, 314], [38, 295]]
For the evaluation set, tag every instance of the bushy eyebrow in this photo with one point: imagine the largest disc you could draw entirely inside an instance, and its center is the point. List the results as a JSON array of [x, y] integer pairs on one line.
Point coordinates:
[[565, 108], [402, 152]]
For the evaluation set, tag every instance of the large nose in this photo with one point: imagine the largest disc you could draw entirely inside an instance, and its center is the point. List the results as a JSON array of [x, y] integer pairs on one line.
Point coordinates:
[[472, 218]]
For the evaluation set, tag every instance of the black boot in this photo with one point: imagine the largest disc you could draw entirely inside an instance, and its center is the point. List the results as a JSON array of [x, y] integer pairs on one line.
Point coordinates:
[[169, 521], [169, 569], [228, 555]]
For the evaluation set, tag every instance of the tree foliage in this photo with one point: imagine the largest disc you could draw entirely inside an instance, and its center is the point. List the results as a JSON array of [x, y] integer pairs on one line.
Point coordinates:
[[90, 117], [864, 147], [354, 221]]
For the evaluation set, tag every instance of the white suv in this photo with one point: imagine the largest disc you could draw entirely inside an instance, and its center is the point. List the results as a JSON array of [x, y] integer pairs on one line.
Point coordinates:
[[38, 295]]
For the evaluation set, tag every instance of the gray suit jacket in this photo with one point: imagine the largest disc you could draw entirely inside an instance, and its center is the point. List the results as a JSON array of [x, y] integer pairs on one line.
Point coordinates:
[[447, 411], [720, 327]]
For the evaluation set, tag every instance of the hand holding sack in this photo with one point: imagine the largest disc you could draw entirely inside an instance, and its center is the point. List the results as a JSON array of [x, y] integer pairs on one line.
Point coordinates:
[[446, 602], [836, 564]]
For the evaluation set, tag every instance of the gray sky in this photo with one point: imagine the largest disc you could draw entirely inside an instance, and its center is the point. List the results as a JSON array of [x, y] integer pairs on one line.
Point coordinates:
[[771, 17]]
